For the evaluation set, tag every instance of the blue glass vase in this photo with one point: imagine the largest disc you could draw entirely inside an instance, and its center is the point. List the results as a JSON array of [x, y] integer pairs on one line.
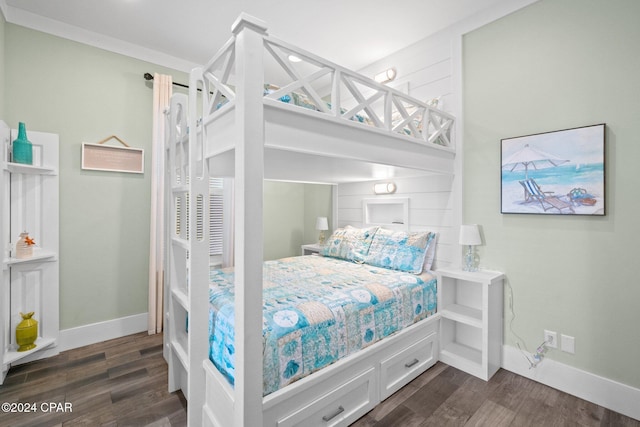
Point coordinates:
[[22, 148]]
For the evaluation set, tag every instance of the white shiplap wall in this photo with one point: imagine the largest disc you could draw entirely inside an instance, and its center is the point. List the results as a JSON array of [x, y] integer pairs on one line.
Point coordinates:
[[430, 208], [425, 71]]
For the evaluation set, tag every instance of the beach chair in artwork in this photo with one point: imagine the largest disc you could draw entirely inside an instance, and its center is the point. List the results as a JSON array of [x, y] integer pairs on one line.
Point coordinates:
[[547, 200]]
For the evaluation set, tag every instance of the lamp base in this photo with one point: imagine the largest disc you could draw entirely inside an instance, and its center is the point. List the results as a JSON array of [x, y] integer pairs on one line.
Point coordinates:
[[470, 260], [321, 238]]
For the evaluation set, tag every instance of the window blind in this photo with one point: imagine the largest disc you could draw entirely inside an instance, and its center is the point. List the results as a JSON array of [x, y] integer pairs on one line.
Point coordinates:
[[215, 216]]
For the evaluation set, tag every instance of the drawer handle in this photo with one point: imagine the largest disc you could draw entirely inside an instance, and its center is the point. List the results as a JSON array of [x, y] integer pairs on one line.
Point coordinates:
[[410, 364], [335, 414]]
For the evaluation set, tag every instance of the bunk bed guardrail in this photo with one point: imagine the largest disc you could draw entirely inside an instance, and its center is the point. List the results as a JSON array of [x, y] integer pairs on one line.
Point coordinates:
[[334, 92]]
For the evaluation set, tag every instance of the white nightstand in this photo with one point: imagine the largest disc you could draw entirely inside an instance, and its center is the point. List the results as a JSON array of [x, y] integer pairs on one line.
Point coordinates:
[[471, 325], [310, 249]]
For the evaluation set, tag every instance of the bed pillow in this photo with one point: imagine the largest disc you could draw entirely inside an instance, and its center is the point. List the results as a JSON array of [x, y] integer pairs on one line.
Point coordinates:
[[430, 253], [399, 250], [349, 243]]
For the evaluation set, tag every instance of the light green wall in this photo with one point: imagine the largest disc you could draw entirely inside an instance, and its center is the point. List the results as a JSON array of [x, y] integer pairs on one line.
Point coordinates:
[[317, 202], [85, 94], [283, 219], [556, 65], [290, 212], [2, 37]]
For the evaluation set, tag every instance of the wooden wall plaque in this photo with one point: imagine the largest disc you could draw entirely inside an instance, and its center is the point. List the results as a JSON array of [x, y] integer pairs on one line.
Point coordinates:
[[114, 159]]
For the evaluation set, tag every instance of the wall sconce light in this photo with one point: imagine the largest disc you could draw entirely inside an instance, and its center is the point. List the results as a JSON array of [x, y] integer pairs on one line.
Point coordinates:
[[470, 236], [322, 225], [384, 188], [385, 76]]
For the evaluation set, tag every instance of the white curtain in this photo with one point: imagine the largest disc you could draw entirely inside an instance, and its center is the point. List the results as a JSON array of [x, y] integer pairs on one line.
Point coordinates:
[[161, 98], [228, 210]]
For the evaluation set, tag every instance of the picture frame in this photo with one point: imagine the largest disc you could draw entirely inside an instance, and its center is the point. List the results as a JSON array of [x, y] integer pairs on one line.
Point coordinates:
[[559, 172]]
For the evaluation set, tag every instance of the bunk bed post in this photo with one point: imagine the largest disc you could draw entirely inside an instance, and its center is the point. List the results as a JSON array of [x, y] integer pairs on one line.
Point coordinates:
[[249, 173]]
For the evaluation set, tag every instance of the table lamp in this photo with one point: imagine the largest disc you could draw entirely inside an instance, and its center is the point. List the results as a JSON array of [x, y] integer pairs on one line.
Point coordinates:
[[322, 225], [470, 236]]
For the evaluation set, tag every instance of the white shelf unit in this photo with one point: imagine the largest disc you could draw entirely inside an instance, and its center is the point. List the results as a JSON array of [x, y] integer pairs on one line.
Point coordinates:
[[470, 305], [29, 201], [310, 249]]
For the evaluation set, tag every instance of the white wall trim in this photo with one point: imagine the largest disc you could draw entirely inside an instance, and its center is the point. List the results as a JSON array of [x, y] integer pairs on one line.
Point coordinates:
[[101, 331], [46, 25], [596, 389], [91, 334]]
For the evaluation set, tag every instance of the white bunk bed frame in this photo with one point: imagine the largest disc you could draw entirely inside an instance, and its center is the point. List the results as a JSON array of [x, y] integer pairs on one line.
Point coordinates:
[[253, 137]]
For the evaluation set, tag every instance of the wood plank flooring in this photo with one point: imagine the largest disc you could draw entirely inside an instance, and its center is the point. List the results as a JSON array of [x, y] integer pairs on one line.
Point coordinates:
[[445, 396], [123, 382]]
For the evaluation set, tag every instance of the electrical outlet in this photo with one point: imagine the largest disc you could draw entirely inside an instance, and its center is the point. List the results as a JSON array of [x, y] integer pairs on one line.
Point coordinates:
[[551, 338], [568, 344]]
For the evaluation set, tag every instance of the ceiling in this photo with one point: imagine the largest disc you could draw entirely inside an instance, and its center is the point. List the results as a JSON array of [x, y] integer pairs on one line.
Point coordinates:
[[352, 33]]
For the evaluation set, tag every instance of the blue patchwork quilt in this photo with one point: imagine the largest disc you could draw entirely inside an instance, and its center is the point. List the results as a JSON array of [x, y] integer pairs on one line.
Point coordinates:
[[315, 311]]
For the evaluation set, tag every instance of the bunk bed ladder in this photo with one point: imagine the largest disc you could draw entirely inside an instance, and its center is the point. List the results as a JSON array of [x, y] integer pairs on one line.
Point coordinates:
[[199, 215], [178, 245]]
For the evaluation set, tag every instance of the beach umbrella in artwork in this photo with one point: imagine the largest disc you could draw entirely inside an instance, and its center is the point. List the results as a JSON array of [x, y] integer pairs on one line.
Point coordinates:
[[531, 158]]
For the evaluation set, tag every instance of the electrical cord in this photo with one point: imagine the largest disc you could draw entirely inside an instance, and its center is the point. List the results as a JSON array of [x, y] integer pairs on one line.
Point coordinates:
[[540, 350]]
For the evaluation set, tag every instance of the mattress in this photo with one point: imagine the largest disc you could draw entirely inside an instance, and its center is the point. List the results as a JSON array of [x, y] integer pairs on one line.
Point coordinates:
[[317, 310]]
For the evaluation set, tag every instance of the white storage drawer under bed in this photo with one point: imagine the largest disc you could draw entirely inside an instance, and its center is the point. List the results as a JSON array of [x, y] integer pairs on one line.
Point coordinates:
[[341, 406], [403, 366], [343, 392]]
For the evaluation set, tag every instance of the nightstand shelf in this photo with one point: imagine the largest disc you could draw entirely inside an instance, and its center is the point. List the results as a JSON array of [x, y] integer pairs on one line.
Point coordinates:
[[470, 304], [463, 314], [310, 249], [461, 351]]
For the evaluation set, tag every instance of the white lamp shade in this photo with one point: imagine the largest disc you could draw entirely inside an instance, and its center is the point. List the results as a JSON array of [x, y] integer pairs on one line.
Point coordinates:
[[322, 223], [470, 235]]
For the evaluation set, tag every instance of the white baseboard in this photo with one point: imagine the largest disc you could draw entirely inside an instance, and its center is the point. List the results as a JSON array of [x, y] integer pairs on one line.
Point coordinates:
[[596, 389], [91, 334], [101, 331]]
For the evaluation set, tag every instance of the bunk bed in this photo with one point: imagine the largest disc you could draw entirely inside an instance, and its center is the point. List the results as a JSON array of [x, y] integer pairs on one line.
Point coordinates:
[[310, 117]]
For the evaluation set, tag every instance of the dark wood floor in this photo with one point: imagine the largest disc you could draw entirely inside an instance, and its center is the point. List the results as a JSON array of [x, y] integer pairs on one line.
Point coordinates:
[[445, 396], [123, 382]]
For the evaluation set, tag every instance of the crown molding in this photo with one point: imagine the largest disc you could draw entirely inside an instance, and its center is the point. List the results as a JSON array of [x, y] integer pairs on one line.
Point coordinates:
[[56, 28]]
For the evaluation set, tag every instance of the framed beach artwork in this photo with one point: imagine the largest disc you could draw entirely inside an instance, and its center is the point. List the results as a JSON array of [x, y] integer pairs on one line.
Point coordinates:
[[554, 173]]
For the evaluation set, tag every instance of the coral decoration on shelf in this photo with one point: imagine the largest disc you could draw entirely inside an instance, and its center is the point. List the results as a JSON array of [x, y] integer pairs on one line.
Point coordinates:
[[24, 247]]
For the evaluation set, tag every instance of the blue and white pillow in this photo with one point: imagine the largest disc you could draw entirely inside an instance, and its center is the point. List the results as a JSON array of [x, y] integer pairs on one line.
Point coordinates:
[[349, 243], [399, 250]]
